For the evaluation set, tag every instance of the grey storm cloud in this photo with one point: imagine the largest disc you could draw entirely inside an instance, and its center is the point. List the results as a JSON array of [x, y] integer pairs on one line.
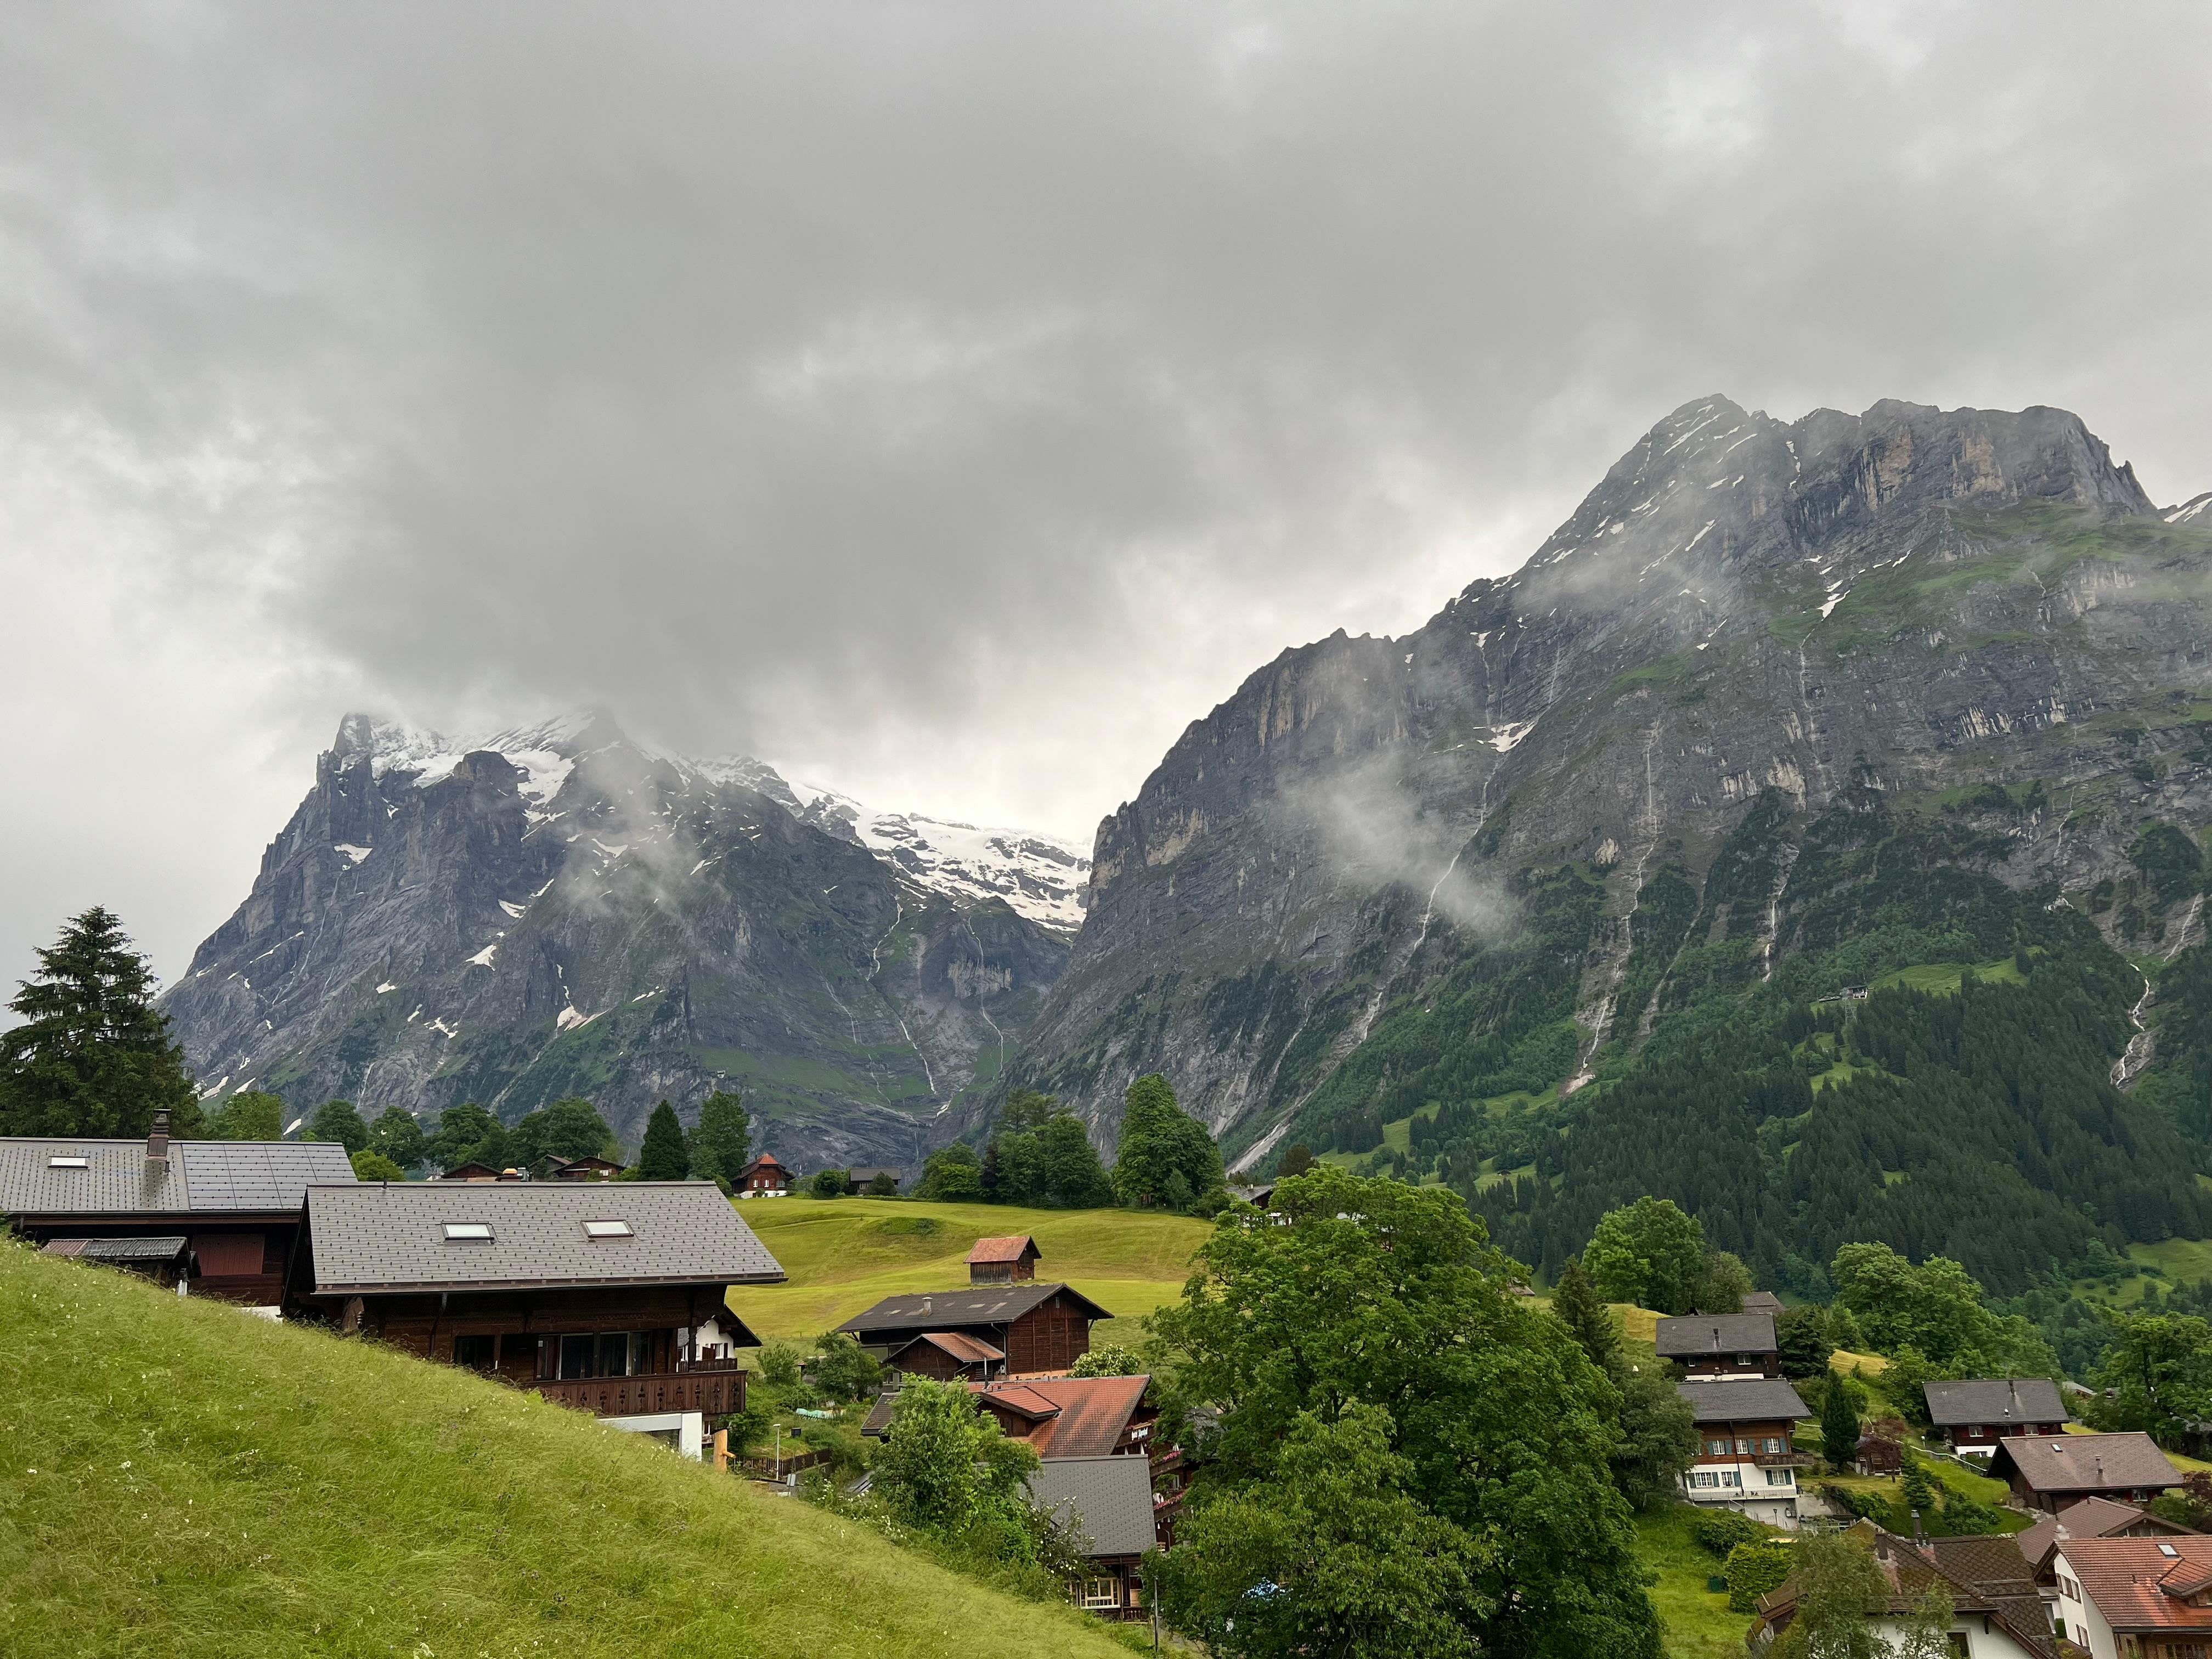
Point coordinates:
[[952, 401]]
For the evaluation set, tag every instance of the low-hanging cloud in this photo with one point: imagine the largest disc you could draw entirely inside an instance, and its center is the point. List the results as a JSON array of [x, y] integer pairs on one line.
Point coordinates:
[[1372, 831], [952, 401]]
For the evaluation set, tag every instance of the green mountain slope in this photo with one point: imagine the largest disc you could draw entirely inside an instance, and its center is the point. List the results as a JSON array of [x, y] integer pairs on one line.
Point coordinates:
[[178, 1478]]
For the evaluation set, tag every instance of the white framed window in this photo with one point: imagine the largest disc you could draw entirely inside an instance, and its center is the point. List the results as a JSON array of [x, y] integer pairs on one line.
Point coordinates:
[[465, 1232], [1705, 1478], [608, 1230], [1731, 1478], [1774, 1442], [1099, 1593]]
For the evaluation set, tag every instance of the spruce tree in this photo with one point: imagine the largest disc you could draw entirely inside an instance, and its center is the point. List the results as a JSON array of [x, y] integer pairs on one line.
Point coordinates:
[[722, 1142], [1839, 1423], [1575, 1301], [93, 1057], [664, 1157]]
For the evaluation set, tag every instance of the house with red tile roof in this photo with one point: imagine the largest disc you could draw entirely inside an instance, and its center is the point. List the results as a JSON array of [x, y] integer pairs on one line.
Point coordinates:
[[2143, 1598], [1003, 1260], [2092, 1517], [1996, 1613]]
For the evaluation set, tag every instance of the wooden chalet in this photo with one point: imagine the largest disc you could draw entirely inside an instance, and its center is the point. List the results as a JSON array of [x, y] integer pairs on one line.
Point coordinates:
[[2051, 1472], [1097, 1460], [551, 1168], [236, 1204], [473, 1170], [607, 1297], [1995, 1612], [2135, 1598], [1011, 1260], [1746, 1460], [1721, 1345], [1881, 1449], [164, 1258], [945, 1355], [764, 1178], [1974, 1414], [1038, 1328], [861, 1176]]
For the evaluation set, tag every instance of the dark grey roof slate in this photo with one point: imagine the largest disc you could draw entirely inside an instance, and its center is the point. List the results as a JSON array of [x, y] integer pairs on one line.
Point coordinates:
[[969, 1305], [166, 1247], [1995, 1402], [201, 1177], [1689, 1336], [1743, 1399], [374, 1236], [1113, 1497]]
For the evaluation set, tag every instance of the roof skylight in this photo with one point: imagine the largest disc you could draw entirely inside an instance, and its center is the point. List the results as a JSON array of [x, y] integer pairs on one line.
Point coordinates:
[[607, 1229], [69, 1163], [459, 1231]]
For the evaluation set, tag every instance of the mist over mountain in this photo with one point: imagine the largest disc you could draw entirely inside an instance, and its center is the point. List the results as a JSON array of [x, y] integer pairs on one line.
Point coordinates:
[[562, 910], [1526, 823]]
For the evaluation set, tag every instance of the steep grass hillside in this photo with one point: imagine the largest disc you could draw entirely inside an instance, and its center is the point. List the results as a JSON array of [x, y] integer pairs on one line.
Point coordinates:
[[179, 1478], [845, 1254]]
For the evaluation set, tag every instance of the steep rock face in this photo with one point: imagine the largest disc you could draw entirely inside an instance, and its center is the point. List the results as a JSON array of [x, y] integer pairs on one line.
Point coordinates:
[[562, 911], [1912, 600]]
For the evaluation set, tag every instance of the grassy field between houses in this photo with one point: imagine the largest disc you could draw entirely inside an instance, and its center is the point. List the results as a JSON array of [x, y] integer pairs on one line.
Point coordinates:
[[844, 1255], [1697, 1622], [180, 1479]]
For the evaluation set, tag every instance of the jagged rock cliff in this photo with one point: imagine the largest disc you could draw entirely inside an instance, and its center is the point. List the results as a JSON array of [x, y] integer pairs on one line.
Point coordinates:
[[1745, 615], [561, 910]]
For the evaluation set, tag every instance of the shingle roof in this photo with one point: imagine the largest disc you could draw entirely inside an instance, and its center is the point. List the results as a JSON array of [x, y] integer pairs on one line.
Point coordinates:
[[1107, 1501], [1744, 1400], [166, 1248], [1981, 1576], [1088, 1414], [1687, 1336], [1764, 1301], [1010, 1249], [374, 1236], [968, 1306], [201, 1177], [2088, 1462], [2136, 1584], [964, 1348], [2087, 1517], [1995, 1400]]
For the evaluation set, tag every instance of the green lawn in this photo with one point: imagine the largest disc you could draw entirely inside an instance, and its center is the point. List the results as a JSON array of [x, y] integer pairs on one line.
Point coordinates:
[[845, 1254], [180, 1479], [1944, 976], [1698, 1622]]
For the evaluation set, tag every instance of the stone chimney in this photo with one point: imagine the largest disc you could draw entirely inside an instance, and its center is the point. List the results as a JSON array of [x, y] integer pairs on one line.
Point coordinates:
[[157, 1143]]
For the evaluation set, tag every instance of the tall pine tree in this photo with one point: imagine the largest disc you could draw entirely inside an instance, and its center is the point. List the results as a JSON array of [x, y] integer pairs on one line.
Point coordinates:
[[1574, 1300], [664, 1157], [720, 1143], [1839, 1423], [93, 1057]]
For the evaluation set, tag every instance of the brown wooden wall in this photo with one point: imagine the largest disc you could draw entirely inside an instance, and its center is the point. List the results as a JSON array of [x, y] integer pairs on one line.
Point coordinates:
[[416, 1324], [1050, 1337]]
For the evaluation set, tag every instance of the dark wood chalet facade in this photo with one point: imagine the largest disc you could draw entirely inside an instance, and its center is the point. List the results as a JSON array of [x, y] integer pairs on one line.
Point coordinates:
[[1746, 1460], [1974, 1414], [764, 1178], [1039, 1328], [236, 1204], [605, 1295], [1008, 1260], [1720, 1345]]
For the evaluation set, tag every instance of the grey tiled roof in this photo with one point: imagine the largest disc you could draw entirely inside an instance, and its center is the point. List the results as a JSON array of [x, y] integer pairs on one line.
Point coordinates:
[[163, 1248], [1113, 1497], [968, 1306], [201, 1177], [1744, 1400], [1995, 1402], [1690, 1335], [375, 1237]]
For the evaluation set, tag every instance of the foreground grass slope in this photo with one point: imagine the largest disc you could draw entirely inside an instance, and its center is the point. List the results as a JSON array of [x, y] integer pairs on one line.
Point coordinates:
[[845, 1254], [179, 1478]]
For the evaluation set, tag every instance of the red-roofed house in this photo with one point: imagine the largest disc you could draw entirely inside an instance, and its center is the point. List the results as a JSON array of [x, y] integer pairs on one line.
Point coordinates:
[[2144, 1598], [1073, 1416], [764, 1178], [1002, 1261]]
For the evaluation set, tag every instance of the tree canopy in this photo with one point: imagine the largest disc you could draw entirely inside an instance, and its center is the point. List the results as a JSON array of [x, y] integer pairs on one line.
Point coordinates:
[[1165, 1158], [397, 1136], [338, 1121], [1041, 1154], [2157, 1379], [1933, 1307], [1649, 1253], [952, 1174], [663, 1155], [722, 1142], [1381, 1294], [467, 1131], [566, 1129], [93, 1057], [249, 1115]]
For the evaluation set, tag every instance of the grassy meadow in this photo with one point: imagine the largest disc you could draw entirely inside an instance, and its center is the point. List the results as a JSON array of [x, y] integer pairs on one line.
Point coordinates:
[[846, 1254], [178, 1478]]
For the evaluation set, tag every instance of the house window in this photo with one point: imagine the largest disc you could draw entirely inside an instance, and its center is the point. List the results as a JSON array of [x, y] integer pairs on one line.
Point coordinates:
[[1774, 1442], [476, 1353], [577, 1353], [1731, 1478], [614, 1354], [1705, 1478], [607, 1229], [641, 1353], [1099, 1593], [1781, 1478], [1716, 1448], [460, 1232]]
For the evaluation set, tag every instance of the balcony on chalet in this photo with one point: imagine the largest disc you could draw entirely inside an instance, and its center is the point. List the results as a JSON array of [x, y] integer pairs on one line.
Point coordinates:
[[715, 1386]]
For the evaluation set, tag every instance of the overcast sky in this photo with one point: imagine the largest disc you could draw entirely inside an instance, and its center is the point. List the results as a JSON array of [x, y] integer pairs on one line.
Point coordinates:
[[951, 402]]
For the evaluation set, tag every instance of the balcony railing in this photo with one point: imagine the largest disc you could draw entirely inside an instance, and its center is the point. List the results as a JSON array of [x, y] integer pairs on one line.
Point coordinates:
[[1789, 1460], [716, 1386]]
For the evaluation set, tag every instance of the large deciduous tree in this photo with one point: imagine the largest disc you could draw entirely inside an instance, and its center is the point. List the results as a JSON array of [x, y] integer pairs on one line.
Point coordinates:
[[339, 1120], [397, 1136], [1649, 1253], [1379, 1294], [2157, 1379], [567, 1128], [1350, 1561], [1165, 1158], [93, 1057], [249, 1115], [1935, 1308]]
